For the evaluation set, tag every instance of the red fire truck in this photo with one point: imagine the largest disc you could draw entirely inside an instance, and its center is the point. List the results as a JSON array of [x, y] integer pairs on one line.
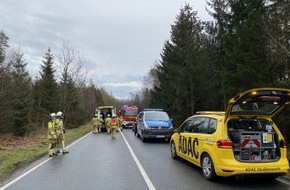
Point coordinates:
[[129, 114]]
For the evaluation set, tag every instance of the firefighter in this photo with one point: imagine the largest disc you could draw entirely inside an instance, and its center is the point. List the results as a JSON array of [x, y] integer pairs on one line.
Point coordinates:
[[60, 132], [99, 124], [52, 136], [108, 123], [95, 124], [120, 122], [114, 125]]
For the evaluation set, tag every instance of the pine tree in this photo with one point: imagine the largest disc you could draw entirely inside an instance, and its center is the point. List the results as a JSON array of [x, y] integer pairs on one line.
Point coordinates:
[[216, 43], [277, 27], [46, 90], [3, 45], [242, 45], [21, 95], [181, 87], [5, 84]]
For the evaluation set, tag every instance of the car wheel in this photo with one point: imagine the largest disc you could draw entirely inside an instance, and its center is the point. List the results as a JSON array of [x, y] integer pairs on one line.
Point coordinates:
[[142, 138], [173, 150], [207, 167], [136, 133]]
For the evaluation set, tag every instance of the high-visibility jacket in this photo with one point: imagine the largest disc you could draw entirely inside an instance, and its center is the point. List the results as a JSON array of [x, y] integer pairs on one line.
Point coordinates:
[[52, 135], [99, 121], [120, 119], [114, 122], [108, 121], [95, 121], [58, 124]]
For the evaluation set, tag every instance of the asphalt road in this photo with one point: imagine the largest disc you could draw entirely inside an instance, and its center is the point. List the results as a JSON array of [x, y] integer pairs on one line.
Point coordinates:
[[125, 163]]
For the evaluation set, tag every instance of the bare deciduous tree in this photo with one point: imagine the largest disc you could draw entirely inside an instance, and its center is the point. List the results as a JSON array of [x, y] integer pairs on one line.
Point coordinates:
[[151, 80], [73, 71]]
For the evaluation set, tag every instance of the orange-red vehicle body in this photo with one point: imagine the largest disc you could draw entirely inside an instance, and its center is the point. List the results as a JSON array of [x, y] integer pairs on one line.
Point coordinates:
[[129, 114]]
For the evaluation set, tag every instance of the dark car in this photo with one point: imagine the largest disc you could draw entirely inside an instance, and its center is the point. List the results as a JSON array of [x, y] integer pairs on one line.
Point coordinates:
[[153, 124]]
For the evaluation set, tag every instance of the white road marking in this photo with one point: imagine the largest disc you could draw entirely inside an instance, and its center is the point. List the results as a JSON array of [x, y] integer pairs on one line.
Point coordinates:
[[142, 171], [283, 180], [140, 167], [21, 176], [29, 171]]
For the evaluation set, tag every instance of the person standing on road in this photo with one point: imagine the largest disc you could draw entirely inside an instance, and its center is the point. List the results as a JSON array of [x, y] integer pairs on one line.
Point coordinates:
[[95, 123], [114, 125], [61, 131], [120, 122], [108, 123], [52, 136], [99, 124]]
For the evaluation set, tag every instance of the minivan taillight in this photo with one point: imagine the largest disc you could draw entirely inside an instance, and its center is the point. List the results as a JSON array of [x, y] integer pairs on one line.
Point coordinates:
[[283, 144], [224, 143]]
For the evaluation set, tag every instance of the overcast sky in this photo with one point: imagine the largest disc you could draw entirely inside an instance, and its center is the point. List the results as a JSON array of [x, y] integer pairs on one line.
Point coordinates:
[[121, 39]]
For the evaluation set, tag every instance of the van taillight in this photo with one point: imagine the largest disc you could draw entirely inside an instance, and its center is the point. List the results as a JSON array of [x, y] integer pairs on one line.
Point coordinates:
[[224, 143], [283, 144]]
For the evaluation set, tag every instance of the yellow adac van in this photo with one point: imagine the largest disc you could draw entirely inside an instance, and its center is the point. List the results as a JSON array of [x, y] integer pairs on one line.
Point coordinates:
[[242, 141]]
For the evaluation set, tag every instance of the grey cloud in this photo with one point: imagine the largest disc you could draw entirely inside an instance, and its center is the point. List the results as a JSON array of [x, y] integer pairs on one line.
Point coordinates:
[[121, 39]]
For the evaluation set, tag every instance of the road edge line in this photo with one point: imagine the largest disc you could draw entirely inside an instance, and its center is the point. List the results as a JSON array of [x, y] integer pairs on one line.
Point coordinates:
[[140, 167], [37, 166]]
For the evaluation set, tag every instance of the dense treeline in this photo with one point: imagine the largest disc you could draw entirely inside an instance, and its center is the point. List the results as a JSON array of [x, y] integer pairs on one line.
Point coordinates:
[[25, 104], [203, 64]]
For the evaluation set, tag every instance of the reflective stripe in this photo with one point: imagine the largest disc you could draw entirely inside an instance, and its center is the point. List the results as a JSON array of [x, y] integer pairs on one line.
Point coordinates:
[[114, 122]]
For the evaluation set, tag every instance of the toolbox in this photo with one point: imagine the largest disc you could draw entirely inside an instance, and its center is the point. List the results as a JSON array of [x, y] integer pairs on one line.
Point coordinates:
[[254, 146]]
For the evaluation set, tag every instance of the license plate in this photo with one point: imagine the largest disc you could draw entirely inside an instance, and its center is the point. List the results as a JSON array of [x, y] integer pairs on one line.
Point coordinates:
[[160, 136]]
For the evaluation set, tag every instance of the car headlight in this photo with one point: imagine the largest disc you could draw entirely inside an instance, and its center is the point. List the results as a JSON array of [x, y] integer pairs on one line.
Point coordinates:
[[146, 126]]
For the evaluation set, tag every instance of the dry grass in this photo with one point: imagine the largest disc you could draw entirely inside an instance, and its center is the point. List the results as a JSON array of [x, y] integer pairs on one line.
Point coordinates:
[[15, 151], [10, 142]]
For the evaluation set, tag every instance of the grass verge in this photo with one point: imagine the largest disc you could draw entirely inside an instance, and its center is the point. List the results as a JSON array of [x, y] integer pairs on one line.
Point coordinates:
[[15, 151]]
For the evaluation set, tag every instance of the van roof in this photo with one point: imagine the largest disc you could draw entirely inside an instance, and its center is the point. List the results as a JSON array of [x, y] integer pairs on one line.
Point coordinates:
[[221, 113], [152, 109]]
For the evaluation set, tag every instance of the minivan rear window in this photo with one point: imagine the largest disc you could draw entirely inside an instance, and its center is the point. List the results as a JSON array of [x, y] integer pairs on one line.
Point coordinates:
[[257, 107]]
